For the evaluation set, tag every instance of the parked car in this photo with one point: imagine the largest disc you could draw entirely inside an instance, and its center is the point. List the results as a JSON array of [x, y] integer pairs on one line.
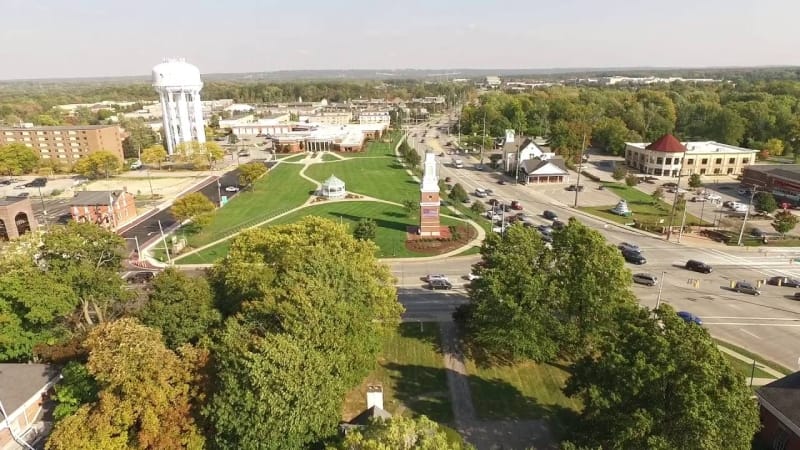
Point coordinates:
[[440, 284], [136, 165], [435, 276], [140, 277], [481, 193], [545, 230], [448, 179], [670, 185], [698, 266], [743, 287], [493, 216], [796, 296], [690, 318], [5, 182], [22, 195], [645, 279], [574, 187], [629, 246], [37, 182], [756, 232], [558, 225], [634, 257], [784, 281], [231, 188], [547, 214], [493, 202]]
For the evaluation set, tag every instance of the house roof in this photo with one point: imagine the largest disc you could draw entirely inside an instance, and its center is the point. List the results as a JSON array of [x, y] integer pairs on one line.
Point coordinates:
[[10, 200], [531, 166], [333, 181], [20, 382], [93, 198], [668, 144], [784, 395]]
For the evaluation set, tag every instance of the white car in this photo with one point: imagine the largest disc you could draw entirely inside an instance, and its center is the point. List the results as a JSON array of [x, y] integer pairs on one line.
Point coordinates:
[[436, 276], [473, 277], [136, 165], [231, 188]]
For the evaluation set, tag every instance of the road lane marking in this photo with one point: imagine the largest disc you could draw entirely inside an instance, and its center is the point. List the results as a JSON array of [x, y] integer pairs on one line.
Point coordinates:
[[743, 324], [747, 332]]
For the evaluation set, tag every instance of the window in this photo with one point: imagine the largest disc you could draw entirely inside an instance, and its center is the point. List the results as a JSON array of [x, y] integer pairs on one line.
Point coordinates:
[[40, 133], [659, 161], [9, 133], [730, 170], [746, 161], [704, 161], [717, 171], [676, 161], [731, 160], [718, 161], [72, 133], [702, 171], [25, 133], [668, 161]]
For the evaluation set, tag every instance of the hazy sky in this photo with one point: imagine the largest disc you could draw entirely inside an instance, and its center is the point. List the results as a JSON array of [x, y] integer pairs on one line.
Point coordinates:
[[87, 38]]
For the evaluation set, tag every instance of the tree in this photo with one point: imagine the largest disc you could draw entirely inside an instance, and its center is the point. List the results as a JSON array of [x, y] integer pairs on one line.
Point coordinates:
[[411, 207], [657, 195], [311, 306], [400, 433], [727, 126], [619, 173], [765, 202], [365, 230], [631, 180], [640, 390], [155, 154], [145, 393], [413, 159], [195, 207], [458, 194], [784, 222], [250, 172], [180, 307], [139, 137], [774, 146], [76, 388], [17, 159], [478, 207], [695, 181], [98, 164], [233, 139], [610, 134], [200, 155]]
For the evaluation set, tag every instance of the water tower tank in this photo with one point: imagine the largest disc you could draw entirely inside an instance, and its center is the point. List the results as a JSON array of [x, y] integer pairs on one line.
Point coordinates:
[[176, 73]]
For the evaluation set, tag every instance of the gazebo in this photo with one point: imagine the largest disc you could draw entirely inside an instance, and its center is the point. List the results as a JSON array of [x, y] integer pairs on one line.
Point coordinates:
[[333, 188]]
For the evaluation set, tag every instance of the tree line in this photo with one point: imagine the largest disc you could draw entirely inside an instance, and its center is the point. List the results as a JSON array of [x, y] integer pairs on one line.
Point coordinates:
[[762, 115]]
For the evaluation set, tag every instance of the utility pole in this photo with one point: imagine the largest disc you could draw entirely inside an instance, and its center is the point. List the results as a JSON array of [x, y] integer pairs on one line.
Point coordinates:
[[164, 238], [683, 220], [660, 288], [580, 169], [675, 201], [483, 143], [746, 214], [44, 209]]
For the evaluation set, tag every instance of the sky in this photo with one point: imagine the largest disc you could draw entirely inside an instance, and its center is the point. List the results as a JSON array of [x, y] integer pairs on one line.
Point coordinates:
[[92, 38]]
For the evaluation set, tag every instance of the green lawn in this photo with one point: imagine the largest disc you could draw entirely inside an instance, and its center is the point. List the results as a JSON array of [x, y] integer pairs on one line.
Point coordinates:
[[474, 250], [293, 158], [381, 147], [329, 157], [383, 178], [281, 189], [390, 237], [759, 360], [524, 390], [746, 368], [411, 370], [644, 209]]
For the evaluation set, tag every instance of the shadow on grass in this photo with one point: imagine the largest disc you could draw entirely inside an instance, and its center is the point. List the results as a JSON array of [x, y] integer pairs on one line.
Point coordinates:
[[421, 390], [380, 222]]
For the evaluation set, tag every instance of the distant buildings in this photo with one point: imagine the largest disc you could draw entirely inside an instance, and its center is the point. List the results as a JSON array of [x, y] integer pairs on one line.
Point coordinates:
[[783, 180], [109, 209], [492, 82], [610, 81], [178, 85], [66, 144], [374, 117], [667, 156]]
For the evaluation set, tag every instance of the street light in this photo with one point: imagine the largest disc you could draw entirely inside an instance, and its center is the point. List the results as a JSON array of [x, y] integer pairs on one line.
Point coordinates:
[[44, 210], [746, 214], [138, 250], [580, 169]]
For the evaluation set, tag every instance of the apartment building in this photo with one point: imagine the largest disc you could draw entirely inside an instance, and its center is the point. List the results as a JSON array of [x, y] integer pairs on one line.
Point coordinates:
[[66, 144]]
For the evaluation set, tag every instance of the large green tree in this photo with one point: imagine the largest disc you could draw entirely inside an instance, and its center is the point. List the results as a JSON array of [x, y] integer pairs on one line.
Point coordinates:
[[610, 134], [145, 394], [400, 433], [765, 202], [313, 307], [139, 137], [250, 172], [181, 307], [17, 159], [195, 206], [658, 382], [98, 164], [784, 222], [154, 154]]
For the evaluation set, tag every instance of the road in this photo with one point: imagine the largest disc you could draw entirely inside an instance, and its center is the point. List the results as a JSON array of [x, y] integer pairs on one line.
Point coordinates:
[[768, 324]]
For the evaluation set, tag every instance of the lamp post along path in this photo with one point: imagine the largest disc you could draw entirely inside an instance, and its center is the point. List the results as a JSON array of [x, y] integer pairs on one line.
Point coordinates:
[[580, 169]]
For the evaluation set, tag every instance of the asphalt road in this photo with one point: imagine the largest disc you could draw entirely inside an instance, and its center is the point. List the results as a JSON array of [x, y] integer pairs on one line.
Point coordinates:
[[768, 324]]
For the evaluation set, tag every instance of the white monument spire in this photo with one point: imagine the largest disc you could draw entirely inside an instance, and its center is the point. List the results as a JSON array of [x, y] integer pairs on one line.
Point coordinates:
[[430, 179]]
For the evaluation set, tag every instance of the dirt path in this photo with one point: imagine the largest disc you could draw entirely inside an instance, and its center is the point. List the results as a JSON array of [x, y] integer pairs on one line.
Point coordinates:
[[484, 434]]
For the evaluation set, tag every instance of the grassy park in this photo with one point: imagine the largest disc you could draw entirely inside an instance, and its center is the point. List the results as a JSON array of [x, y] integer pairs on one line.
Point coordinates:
[[645, 210], [383, 178], [411, 371]]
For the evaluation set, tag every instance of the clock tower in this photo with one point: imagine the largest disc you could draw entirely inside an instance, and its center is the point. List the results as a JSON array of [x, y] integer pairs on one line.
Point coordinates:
[[429, 199]]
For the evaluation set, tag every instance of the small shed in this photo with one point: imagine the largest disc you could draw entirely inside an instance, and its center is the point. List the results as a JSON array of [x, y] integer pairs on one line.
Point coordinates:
[[333, 188]]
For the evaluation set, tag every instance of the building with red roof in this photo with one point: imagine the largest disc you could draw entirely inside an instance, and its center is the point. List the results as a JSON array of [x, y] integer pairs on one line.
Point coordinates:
[[667, 156]]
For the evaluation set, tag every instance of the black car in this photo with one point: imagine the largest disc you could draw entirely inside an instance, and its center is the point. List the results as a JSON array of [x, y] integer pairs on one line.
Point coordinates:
[[784, 281], [698, 266], [141, 277], [574, 187], [558, 225], [440, 284], [547, 214], [37, 182], [5, 182], [633, 257]]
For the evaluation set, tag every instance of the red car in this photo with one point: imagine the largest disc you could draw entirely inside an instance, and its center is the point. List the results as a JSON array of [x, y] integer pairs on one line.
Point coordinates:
[[516, 205]]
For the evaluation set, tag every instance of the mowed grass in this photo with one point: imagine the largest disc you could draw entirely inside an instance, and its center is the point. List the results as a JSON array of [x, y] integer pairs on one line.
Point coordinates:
[[411, 371], [382, 178], [641, 204], [293, 158], [746, 368], [524, 390], [328, 157], [280, 189], [380, 147]]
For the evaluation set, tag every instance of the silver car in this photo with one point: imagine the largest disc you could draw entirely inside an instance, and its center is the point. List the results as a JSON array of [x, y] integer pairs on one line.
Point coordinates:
[[743, 287], [645, 278]]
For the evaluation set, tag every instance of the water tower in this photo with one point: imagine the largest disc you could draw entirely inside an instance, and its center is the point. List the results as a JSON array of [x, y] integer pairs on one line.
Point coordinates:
[[178, 85]]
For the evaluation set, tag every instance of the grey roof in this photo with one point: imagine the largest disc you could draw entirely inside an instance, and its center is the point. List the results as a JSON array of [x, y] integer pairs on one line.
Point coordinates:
[[530, 166], [512, 147], [364, 417], [58, 128], [784, 395], [10, 200], [786, 169], [92, 198], [19, 382]]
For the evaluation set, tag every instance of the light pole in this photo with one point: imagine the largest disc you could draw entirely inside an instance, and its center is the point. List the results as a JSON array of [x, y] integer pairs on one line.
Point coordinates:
[[219, 193], [580, 169], [138, 250], [746, 214], [44, 210], [675, 200], [166, 247], [660, 288]]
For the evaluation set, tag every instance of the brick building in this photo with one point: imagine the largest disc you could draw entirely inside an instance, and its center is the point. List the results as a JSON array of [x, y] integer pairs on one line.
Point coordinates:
[[780, 413], [783, 180], [16, 217], [109, 209], [66, 144]]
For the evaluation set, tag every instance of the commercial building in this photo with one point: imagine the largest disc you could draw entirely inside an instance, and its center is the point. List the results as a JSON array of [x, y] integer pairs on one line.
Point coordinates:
[[780, 413], [178, 85], [329, 118], [66, 144], [783, 180], [667, 156], [109, 209], [369, 117], [551, 171]]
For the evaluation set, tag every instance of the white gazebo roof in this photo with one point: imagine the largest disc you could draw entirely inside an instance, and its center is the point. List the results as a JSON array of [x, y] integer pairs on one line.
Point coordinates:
[[333, 182]]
